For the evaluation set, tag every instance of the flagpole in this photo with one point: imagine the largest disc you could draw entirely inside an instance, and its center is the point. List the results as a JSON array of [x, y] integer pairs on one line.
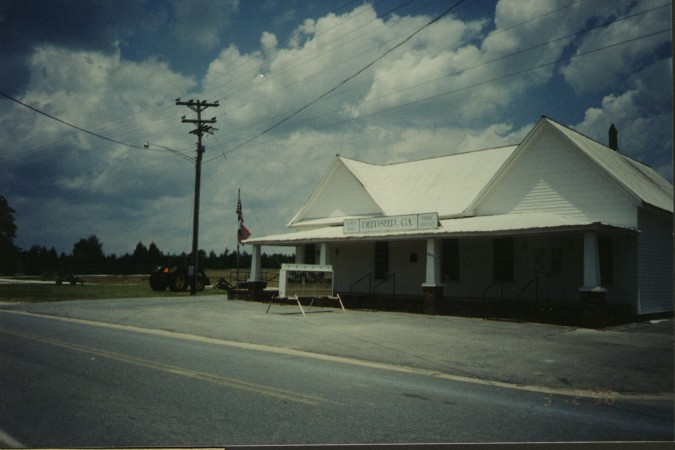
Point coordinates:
[[238, 225]]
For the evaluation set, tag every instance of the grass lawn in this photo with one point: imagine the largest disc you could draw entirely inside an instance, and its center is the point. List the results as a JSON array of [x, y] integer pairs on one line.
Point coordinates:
[[94, 288], [99, 287]]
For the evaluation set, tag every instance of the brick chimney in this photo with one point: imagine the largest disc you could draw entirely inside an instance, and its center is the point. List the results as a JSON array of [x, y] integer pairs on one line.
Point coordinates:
[[613, 138]]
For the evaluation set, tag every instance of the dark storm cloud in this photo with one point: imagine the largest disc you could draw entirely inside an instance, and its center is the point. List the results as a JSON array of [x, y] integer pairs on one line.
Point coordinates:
[[76, 24]]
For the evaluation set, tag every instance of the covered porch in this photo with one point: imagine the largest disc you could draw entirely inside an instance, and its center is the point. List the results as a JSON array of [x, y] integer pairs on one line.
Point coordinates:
[[513, 265]]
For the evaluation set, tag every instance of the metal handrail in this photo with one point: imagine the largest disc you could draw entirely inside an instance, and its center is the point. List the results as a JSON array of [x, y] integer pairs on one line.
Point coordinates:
[[386, 278], [534, 279], [369, 275], [493, 284]]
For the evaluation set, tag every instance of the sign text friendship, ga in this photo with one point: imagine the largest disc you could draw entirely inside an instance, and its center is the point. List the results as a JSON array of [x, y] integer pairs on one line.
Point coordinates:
[[427, 221]]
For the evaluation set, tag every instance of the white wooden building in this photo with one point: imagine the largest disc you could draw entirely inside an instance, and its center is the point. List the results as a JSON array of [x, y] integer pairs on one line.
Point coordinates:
[[558, 217]]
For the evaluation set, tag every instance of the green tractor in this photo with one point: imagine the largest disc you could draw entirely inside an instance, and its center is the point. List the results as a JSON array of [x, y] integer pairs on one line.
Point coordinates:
[[176, 275]]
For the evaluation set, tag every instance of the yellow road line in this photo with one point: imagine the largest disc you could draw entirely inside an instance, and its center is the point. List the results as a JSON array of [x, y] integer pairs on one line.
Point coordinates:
[[597, 394], [203, 376]]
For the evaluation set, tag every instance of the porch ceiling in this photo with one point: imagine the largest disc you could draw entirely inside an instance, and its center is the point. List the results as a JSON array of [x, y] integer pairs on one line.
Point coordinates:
[[465, 226]]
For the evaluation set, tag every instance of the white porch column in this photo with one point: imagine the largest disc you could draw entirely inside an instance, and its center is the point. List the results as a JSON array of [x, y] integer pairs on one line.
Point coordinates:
[[591, 261], [433, 277], [256, 274], [432, 288], [299, 254], [324, 257]]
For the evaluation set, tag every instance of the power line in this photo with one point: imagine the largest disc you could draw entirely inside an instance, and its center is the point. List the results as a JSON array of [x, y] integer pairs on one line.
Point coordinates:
[[157, 120], [293, 114], [326, 33], [493, 60], [346, 80], [117, 128], [502, 77], [500, 58], [279, 123], [147, 145], [68, 123], [327, 69], [84, 130], [310, 55], [474, 85]]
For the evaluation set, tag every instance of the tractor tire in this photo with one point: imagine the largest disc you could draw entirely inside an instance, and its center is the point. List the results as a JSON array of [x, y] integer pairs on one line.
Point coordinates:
[[157, 285], [200, 283], [179, 282]]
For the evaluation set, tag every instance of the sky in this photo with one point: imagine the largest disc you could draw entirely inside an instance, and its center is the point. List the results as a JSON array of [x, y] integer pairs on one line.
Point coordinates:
[[297, 82]]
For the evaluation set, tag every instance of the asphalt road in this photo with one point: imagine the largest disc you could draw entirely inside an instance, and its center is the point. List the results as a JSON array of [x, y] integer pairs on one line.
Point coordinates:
[[206, 371]]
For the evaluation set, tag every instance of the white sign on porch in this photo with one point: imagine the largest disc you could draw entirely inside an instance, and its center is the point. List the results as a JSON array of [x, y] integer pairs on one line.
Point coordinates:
[[305, 280], [426, 221]]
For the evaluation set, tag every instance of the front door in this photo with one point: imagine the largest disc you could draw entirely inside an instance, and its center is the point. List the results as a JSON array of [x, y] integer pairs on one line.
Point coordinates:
[[546, 270]]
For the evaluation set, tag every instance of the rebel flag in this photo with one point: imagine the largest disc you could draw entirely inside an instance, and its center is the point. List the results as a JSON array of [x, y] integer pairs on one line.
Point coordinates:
[[242, 232]]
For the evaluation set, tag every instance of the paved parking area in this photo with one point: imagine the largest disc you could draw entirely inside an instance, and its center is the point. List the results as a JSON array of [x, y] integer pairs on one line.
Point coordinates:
[[633, 358]]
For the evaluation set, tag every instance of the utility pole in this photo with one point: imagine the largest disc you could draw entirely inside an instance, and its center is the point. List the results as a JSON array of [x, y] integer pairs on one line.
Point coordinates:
[[202, 126]]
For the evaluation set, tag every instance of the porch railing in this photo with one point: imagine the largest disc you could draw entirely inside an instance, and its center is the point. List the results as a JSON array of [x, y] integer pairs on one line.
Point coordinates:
[[493, 284], [534, 280], [386, 278], [369, 275]]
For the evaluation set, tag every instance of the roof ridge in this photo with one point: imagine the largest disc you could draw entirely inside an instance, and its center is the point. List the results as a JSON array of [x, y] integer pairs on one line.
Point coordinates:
[[429, 157], [617, 152], [575, 131], [628, 172]]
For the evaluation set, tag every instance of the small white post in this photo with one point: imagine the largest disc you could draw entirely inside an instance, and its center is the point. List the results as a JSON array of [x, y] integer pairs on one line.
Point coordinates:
[[591, 261], [256, 274], [324, 257], [433, 274], [299, 254]]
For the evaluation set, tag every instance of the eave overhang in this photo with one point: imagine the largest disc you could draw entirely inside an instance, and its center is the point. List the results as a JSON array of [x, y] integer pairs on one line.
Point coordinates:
[[499, 225]]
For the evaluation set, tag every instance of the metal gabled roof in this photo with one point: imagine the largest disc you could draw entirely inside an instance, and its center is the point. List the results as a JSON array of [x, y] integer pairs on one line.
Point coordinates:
[[639, 179], [453, 185], [446, 184]]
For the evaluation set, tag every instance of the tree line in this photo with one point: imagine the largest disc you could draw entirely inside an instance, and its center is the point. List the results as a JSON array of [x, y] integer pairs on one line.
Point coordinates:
[[87, 256]]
